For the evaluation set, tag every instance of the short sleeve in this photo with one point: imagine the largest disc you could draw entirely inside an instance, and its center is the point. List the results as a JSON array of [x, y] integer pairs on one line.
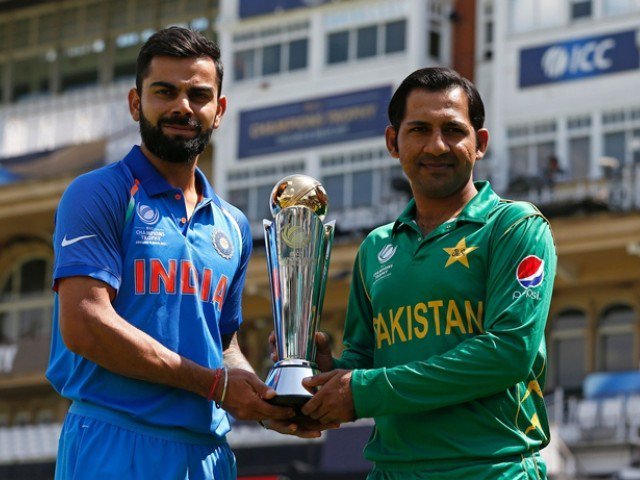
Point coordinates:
[[89, 222]]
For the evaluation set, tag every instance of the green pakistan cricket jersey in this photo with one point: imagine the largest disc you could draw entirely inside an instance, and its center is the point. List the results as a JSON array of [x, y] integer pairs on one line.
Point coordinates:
[[446, 336]]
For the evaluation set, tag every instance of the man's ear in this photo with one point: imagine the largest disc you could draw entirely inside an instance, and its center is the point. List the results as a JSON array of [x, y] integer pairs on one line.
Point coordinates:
[[482, 142], [222, 107], [391, 137], [134, 104]]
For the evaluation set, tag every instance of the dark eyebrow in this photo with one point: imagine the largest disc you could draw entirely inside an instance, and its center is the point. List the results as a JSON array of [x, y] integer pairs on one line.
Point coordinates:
[[168, 85], [203, 89], [196, 89]]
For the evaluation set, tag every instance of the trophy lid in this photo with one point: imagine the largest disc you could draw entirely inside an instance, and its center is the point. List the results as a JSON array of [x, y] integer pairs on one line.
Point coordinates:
[[296, 190]]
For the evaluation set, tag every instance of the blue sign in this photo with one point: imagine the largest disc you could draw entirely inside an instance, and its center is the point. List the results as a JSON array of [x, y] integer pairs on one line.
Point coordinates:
[[251, 8], [581, 58], [318, 121]]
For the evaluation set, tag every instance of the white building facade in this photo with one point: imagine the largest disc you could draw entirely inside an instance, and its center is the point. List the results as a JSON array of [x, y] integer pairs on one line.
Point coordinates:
[[308, 84], [562, 79]]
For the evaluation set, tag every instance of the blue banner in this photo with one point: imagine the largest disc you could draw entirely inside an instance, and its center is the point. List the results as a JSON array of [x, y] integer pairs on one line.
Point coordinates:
[[251, 8], [318, 121], [580, 58]]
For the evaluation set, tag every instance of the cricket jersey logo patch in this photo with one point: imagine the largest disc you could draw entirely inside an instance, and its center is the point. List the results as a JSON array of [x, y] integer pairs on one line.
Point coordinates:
[[530, 271], [222, 244], [386, 253], [459, 253], [147, 214]]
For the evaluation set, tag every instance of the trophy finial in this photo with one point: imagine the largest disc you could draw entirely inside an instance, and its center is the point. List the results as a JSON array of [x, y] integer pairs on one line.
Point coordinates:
[[299, 190]]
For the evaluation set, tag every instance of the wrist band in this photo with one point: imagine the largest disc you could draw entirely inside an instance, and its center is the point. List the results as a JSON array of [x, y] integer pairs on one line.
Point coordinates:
[[216, 379], [224, 389]]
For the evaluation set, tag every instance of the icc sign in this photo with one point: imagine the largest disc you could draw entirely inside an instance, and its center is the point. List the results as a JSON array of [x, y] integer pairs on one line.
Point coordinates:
[[576, 59]]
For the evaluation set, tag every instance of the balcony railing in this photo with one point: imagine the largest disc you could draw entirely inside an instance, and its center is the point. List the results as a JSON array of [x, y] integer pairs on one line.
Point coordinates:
[[619, 191]]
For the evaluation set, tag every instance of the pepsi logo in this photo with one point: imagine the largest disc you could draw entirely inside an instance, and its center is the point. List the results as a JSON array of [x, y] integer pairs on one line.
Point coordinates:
[[530, 272]]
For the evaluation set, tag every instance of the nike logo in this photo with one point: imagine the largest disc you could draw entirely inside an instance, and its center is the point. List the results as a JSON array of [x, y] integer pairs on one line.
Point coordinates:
[[71, 241]]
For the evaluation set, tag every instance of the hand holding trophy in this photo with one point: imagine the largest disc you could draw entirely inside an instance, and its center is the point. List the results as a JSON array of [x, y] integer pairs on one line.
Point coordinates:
[[298, 247]]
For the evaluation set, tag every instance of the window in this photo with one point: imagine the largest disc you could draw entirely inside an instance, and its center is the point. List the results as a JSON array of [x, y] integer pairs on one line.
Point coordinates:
[[270, 52], [30, 77], [518, 161], [620, 7], [250, 189], [298, 54], [359, 179], [25, 301], [243, 64], [395, 36], [262, 201], [621, 137], [362, 189], [271, 59], [487, 31], [530, 147], [580, 9], [366, 42], [434, 44], [579, 157], [614, 146], [568, 355], [334, 185], [528, 15], [338, 47], [616, 339]]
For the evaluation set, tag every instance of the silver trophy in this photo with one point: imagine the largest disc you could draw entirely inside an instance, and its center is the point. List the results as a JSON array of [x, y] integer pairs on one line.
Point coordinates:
[[298, 248]]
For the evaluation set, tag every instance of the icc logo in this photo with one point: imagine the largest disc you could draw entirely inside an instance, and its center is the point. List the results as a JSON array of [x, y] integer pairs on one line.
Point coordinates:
[[147, 214], [558, 61], [386, 253]]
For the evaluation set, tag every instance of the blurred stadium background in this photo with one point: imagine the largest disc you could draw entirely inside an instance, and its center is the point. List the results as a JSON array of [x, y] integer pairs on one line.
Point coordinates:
[[308, 82]]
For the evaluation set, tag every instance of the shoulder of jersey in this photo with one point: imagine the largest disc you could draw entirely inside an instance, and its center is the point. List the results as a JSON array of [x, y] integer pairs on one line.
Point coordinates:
[[112, 179], [378, 236], [512, 210]]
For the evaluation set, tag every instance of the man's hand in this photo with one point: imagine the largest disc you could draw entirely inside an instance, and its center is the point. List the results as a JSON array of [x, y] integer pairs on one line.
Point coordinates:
[[324, 359], [246, 397], [303, 428], [333, 404]]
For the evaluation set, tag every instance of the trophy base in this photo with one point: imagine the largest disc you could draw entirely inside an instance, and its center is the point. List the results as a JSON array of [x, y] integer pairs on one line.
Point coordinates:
[[286, 378]]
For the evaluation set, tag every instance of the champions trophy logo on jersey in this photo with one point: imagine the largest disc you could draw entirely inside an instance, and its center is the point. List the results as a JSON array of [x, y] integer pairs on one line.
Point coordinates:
[[530, 271], [386, 253], [222, 244], [298, 247], [147, 214]]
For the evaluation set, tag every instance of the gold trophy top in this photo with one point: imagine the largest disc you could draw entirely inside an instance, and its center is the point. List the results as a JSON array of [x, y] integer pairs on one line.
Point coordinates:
[[299, 190]]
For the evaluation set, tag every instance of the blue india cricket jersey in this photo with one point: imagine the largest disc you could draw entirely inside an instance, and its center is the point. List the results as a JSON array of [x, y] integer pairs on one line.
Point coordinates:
[[178, 280]]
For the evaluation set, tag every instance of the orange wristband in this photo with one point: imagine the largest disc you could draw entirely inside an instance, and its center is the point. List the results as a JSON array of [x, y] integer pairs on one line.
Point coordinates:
[[214, 384]]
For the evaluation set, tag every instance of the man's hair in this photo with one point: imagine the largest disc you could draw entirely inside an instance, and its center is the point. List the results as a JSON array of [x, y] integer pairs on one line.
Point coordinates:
[[177, 42], [435, 79]]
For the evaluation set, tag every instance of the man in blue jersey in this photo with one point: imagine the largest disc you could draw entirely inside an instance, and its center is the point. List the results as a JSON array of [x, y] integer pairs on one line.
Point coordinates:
[[149, 269]]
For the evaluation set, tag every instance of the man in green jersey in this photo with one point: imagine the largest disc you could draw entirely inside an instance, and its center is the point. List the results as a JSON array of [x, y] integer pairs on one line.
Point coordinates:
[[444, 335]]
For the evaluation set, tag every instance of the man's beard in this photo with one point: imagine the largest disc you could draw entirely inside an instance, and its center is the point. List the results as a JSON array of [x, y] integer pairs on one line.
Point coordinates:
[[178, 149]]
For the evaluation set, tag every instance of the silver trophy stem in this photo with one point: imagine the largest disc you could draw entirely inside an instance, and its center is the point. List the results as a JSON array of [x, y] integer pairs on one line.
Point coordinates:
[[298, 250]]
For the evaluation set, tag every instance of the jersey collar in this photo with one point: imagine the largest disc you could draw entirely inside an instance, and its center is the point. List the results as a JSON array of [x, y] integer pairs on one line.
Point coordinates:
[[154, 183], [477, 210]]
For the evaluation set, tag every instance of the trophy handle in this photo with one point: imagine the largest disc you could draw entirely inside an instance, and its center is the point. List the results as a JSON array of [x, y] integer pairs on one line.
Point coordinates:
[[329, 231], [273, 272]]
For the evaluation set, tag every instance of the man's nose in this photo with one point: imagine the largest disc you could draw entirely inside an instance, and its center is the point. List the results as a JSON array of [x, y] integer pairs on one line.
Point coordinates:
[[182, 105], [436, 144]]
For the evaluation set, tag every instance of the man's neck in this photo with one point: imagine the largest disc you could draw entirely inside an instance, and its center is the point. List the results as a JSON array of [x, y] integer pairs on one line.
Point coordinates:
[[433, 212], [178, 175]]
